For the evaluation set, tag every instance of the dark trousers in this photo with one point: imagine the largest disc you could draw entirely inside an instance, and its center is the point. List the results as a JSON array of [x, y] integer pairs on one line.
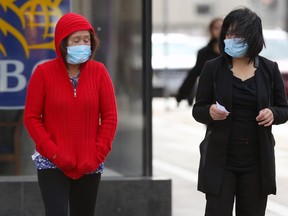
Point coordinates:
[[60, 193], [244, 188]]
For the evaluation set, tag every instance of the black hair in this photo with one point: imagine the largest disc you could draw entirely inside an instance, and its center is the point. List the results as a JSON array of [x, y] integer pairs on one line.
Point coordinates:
[[243, 23]]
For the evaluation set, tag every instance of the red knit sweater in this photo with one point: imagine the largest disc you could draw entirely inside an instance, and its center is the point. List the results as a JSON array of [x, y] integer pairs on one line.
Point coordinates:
[[74, 130]]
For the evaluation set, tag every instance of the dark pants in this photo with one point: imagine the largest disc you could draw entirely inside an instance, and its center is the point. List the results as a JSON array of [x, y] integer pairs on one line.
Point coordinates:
[[58, 192], [245, 189]]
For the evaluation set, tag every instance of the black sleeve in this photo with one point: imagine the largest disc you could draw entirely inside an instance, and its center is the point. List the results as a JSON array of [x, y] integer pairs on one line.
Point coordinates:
[[205, 94], [279, 106]]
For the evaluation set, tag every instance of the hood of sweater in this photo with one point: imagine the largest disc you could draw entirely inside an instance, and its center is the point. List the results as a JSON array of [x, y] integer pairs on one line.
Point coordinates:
[[68, 24]]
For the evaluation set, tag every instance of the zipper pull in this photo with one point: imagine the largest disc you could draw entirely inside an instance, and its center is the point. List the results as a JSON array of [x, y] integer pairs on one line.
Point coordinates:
[[75, 93]]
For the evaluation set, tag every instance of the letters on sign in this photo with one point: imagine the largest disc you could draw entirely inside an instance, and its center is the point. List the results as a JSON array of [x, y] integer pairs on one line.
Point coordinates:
[[26, 39]]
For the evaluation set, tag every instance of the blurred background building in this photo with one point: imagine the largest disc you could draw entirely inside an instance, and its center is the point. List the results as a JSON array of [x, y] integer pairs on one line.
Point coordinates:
[[192, 16]]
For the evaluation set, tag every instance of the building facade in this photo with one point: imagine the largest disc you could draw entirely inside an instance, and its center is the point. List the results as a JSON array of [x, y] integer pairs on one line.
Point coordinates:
[[192, 16]]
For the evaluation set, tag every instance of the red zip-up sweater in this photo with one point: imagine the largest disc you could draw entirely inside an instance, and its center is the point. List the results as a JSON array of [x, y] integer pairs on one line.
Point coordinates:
[[73, 129]]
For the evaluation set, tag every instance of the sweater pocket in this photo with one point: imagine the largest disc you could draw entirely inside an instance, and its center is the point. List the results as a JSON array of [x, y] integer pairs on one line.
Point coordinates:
[[87, 157], [65, 158]]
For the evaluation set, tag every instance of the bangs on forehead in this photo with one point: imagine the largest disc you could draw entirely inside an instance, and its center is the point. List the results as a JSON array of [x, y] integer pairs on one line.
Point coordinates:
[[237, 29]]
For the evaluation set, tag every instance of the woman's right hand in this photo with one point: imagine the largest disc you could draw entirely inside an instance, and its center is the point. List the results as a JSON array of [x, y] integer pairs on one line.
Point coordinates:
[[63, 162], [217, 114]]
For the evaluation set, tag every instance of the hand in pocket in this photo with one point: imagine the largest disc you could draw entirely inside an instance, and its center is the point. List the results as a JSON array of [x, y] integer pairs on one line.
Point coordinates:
[[64, 163], [88, 161]]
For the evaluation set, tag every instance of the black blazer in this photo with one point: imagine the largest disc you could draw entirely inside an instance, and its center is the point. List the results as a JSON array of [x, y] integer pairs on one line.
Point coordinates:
[[215, 84]]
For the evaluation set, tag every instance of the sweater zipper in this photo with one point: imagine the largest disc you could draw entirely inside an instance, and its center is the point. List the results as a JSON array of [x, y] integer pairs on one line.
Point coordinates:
[[75, 92], [74, 81]]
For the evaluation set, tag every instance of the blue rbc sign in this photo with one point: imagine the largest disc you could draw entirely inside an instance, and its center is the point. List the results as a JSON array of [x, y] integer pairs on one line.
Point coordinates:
[[26, 39]]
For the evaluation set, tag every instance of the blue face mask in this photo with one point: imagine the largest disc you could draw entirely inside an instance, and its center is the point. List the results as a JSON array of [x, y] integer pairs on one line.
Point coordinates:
[[235, 47], [78, 54]]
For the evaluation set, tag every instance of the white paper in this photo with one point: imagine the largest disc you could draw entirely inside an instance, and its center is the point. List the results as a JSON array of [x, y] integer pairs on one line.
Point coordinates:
[[220, 107]]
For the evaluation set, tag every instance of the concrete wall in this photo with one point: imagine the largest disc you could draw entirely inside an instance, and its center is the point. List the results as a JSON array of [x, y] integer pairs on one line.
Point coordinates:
[[117, 196]]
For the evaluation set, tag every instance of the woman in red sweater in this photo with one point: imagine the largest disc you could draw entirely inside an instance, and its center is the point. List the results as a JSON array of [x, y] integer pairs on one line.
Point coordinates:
[[71, 115]]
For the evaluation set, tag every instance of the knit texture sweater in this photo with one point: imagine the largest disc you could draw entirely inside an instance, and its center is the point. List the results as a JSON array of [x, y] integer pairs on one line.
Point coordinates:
[[73, 128]]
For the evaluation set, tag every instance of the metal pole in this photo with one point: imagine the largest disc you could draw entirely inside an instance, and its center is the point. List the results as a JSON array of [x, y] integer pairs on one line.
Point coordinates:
[[147, 86]]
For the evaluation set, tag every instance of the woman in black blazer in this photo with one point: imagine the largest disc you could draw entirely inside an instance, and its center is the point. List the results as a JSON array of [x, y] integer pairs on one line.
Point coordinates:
[[240, 95]]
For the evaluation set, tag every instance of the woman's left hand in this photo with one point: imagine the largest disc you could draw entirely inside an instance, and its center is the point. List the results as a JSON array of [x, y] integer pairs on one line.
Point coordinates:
[[265, 117]]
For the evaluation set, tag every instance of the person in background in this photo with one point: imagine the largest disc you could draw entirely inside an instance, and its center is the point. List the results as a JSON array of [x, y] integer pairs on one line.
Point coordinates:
[[210, 51], [71, 115], [240, 95]]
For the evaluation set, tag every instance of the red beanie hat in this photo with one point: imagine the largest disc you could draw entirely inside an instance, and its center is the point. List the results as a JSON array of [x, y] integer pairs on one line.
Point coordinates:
[[68, 24]]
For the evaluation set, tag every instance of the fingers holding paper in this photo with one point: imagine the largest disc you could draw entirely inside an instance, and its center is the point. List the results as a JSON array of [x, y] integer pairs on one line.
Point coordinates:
[[218, 113]]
